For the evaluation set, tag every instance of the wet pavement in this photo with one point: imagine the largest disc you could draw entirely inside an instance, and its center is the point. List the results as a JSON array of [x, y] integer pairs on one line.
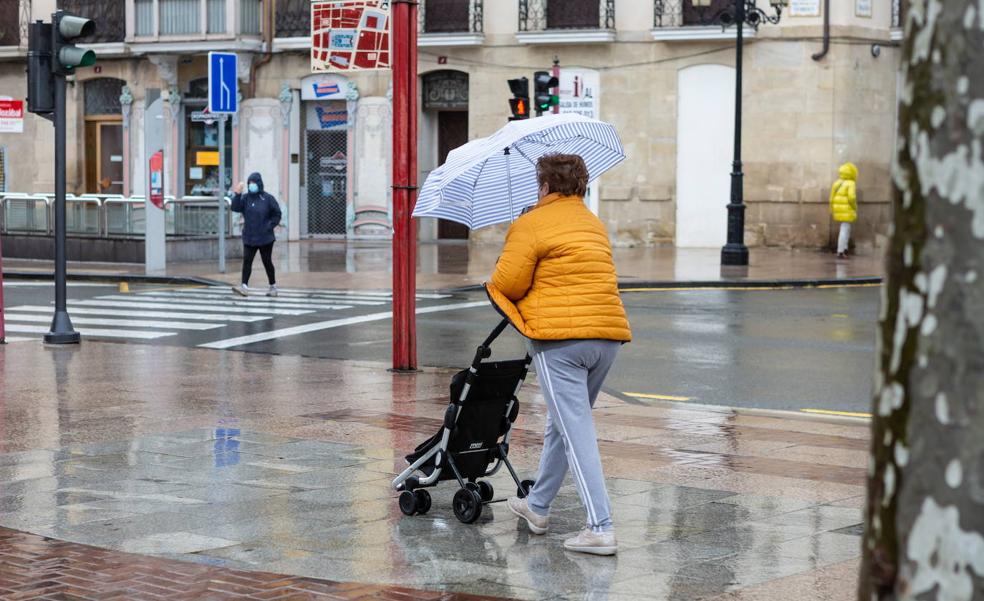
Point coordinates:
[[282, 464], [810, 349], [366, 265]]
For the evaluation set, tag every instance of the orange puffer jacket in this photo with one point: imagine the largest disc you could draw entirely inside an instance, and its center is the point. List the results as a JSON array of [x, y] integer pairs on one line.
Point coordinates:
[[556, 279]]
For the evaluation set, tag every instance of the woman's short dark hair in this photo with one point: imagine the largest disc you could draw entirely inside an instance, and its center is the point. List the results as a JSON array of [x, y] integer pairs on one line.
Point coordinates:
[[563, 173]]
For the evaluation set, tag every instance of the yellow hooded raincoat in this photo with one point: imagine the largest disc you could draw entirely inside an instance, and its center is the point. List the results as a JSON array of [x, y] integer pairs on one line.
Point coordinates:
[[843, 194]]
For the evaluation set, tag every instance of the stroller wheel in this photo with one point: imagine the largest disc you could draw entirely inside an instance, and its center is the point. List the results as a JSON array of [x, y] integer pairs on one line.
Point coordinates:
[[408, 503], [467, 505], [486, 491], [423, 499], [524, 488]]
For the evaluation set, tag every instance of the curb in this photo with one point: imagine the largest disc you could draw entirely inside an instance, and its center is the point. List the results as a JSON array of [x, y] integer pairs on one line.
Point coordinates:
[[114, 277], [722, 284]]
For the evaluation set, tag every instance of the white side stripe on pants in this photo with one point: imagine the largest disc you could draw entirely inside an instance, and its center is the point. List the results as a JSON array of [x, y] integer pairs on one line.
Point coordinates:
[[568, 443]]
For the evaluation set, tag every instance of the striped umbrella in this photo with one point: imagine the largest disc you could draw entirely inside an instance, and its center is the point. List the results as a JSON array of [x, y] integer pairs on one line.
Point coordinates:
[[491, 180]]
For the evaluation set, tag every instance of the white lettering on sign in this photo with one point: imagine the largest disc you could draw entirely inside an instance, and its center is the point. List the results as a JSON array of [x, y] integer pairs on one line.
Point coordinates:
[[862, 8], [12, 116], [804, 8]]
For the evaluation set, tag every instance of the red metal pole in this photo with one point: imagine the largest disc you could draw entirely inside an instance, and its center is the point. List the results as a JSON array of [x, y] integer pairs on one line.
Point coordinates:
[[404, 28]]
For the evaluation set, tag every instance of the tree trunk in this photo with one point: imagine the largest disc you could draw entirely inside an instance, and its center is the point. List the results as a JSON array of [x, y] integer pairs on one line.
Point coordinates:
[[924, 536]]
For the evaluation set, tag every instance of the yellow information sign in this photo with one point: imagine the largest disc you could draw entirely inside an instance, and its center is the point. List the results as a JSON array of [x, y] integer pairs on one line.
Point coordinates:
[[207, 157]]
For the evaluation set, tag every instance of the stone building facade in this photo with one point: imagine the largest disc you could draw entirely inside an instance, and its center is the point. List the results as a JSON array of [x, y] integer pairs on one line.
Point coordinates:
[[651, 67]]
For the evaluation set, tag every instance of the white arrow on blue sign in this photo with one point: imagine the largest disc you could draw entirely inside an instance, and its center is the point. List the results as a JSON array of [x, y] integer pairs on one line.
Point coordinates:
[[222, 82]]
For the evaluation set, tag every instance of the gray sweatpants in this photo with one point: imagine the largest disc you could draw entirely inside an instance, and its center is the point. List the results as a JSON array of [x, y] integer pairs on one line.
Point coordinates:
[[571, 373]]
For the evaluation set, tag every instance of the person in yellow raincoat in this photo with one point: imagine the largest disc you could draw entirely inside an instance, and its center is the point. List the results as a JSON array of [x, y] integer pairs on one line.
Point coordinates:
[[844, 205]]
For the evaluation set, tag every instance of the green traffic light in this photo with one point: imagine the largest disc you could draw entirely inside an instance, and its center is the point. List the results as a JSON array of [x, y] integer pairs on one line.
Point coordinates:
[[71, 57]]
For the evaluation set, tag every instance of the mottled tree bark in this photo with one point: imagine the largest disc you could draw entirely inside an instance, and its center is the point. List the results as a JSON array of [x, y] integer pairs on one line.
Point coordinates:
[[924, 537]]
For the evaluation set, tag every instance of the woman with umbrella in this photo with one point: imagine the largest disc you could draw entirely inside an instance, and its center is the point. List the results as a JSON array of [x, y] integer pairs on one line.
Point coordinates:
[[555, 281]]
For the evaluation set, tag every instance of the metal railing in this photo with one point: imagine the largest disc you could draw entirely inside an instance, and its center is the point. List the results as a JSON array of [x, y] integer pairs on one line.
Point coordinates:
[[543, 15], [684, 13], [450, 16], [293, 18], [112, 216]]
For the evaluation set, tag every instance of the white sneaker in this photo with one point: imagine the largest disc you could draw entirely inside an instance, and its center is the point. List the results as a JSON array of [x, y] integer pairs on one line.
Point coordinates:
[[241, 290], [595, 543], [537, 523], [272, 291]]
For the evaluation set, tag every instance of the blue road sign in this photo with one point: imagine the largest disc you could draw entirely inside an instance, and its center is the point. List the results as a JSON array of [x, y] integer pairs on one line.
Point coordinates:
[[222, 82]]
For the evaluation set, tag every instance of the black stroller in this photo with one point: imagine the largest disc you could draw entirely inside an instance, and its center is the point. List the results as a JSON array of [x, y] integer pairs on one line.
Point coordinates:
[[474, 440]]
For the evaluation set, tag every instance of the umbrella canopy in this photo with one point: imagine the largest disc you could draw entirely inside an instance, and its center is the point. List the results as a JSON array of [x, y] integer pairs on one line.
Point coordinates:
[[491, 180]]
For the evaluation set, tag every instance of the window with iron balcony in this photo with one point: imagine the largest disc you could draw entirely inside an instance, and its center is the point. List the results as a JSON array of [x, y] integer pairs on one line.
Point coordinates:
[[566, 21], [450, 22], [194, 19], [15, 15], [689, 20]]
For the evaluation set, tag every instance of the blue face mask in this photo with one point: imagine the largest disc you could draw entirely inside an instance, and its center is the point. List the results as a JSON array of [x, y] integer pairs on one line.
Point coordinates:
[[253, 188]]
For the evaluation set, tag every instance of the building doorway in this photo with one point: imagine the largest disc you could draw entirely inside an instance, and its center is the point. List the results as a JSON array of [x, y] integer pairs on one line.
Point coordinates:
[[452, 132], [103, 160], [326, 173], [705, 136], [446, 95]]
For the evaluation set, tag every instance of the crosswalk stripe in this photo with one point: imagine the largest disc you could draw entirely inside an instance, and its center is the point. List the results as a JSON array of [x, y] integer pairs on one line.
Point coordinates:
[[97, 332], [52, 283], [225, 300], [134, 303], [156, 314], [370, 293], [334, 323], [282, 296], [123, 323], [9, 339]]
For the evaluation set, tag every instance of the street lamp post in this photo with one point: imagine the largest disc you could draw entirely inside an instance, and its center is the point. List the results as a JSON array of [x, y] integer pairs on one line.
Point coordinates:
[[739, 14]]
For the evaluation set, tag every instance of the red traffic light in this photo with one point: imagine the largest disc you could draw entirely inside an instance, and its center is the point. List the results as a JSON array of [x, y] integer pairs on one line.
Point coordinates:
[[520, 108]]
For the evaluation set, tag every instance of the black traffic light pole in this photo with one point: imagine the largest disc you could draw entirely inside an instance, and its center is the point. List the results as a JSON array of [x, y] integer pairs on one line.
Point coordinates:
[[61, 331]]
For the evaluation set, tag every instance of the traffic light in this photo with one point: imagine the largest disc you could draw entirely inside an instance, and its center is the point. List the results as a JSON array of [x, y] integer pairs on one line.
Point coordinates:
[[520, 102], [67, 56], [40, 80], [543, 96]]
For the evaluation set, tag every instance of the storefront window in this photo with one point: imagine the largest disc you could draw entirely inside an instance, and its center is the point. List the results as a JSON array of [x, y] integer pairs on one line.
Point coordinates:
[[201, 170]]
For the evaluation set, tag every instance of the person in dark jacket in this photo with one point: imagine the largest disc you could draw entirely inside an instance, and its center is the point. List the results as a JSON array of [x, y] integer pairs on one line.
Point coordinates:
[[261, 214]]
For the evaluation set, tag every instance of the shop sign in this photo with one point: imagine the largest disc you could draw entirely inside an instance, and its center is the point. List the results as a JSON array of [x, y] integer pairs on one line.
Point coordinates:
[[11, 116], [328, 119], [579, 90], [207, 157], [804, 8], [350, 35]]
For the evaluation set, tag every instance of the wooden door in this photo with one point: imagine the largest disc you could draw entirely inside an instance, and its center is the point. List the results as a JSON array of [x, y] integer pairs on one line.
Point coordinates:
[[452, 132], [104, 155], [573, 14]]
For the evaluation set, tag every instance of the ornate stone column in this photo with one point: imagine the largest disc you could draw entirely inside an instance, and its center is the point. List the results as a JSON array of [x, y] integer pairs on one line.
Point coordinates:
[[126, 104]]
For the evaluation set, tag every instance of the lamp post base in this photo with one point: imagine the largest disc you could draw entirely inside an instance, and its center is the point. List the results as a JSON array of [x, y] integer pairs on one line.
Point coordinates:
[[62, 331], [734, 254]]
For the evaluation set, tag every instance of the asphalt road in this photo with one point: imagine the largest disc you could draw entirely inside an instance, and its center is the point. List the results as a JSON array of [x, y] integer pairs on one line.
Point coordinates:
[[777, 349]]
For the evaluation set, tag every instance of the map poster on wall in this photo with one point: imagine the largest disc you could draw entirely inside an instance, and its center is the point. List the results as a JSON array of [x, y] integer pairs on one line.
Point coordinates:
[[862, 8], [804, 8], [350, 35]]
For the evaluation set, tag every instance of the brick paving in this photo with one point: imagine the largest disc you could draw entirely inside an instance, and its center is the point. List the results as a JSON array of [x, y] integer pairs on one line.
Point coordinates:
[[35, 567]]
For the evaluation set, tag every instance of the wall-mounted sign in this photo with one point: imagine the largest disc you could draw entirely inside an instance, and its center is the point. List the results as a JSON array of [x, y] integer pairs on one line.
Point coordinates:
[[862, 8], [804, 8], [12, 116], [350, 35], [579, 89], [324, 87]]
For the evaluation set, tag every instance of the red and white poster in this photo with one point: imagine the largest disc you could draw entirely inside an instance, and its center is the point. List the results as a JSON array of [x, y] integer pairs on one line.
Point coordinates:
[[350, 35], [11, 116], [156, 171]]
